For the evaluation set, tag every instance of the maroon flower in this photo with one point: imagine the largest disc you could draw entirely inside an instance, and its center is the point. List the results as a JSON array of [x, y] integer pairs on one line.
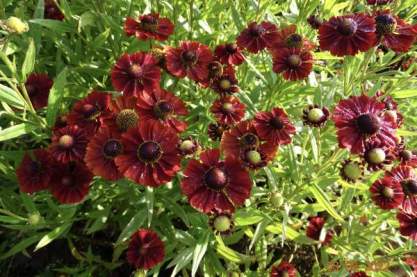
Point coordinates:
[[257, 157], [150, 156], [377, 155], [358, 274], [162, 106], [38, 86], [407, 157], [360, 119], [191, 59], [378, 2], [215, 130], [68, 144], [134, 73], [228, 110], [393, 32], [274, 126], [226, 83], [412, 263], [229, 53], [217, 186], [288, 38], [145, 249], [52, 11], [149, 26], [34, 171], [314, 21], [70, 182], [257, 37], [387, 193], [124, 114], [315, 116], [102, 149], [408, 224], [284, 269], [314, 229], [392, 111], [347, 35], [87, 113], [293, 63], [407, 177]]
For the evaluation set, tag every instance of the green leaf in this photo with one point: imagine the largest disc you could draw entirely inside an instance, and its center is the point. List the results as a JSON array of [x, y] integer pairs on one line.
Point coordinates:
[[323, 200], [11, 97], [405, 93], [21, 246], [244, 218], [406, 133], [181, 261], [39, 10], [54, 25], [16, 131], [29, 62], [55, 96], [260, 229], [228, 253], [149, 199], [51, 236], [199, 252], [132, 226], [11, 66]]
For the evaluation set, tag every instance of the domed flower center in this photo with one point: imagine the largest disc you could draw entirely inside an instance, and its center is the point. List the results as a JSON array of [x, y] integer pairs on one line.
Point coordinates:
[[126, 119], [215, 178], [253, 157], [352, 170], [136, 71], [406, 155], [149, 152], [276, 123], [385, 24], [112, 148], [375, 156], [315, 115], [162, 109], [225, 83], [66, 141], [409, 186], [67, 181], [347, 27], [187, 146], [249, 139], [368, 124], [149, 23], [294, 60], [388, 192], [228, 107], [256, 30], [231, 48], [189, 57], [90, 111], [294, 41], [222, 223]]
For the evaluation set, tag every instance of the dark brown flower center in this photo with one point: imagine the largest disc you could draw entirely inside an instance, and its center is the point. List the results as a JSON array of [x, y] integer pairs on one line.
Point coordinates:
[[294, 61], [215, 178], [126, 119], [136, 71], [149, 152], [347, 26], [385, 24], [276, 123], [406, 155], [231, 48], [189, 57], [388, 192], [294, 41], [67, 181], [249, 139], [256, 30], [162, 109], [66, 141], [409, 186], [368, 124], [112, 148], [90, 111], [149, 23]]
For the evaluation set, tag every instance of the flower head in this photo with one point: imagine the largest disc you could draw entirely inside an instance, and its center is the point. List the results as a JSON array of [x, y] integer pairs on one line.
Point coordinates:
[[257, 37], [149, 26], [314, 230], [274, 126], [68, 144], [38, 86], [315, 116], [284, 269], [293, 63], [228, 110], [229, 53], [406, 176], [387, 193], [52, 11], [408, 224], [145, 249]]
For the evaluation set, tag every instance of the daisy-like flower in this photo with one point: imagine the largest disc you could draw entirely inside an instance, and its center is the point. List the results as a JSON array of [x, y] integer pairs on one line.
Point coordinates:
[[68, 144], [102, 149], [387, 193], [149, 26], [347, 35], [162, 106], [407, 177], [34, 171], [360, 119], [134, 73], [351, 171], [407, 157], [257, 157], [408, 224], [212, 185], [315, 116], [392, 111], [70, 182], [274, 126], [145, 249], [226, 83], [52, 11], [288, 38], [229, 53], [412, 263], [228, 110], [293, 63], [284, 269], [38, 86], [88, 113], [314, 229], [124, 114], [150, 156], [257, 37], [377, 155], [215, 130], [393, 32], [191, 59]]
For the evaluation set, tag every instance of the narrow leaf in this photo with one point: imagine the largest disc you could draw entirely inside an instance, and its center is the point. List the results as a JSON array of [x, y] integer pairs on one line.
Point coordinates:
[[21, 246], [199, 251], [405, 93], [16, 131], [11, 97], [323, 200], [29, 62], [51, 236], [132, 226], [55, 96]]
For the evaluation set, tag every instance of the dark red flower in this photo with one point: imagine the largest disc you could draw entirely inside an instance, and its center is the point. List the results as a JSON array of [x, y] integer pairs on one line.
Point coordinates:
[[68, 144], [257, 37], [314, 229], [191, 59], [284, 269], [360, 119], [52, 11], [228, 110], [145, 249], [358, 274], [392, 111], [293, 63], [378, 155], [149, 26], [134, 73], [34, 171], [217, 186], [150, 156], [124, 114], [314, 21], [229, 53], [412, 262], [408, 224], [226, 83], [378, 2], [347, 35], [88, 113], [215, 130], [387, 193], [38, 86], [315, 116], [162, 106], [407, 177], [407, 157], [393, 32], [289, 38], [274, 126], [102, 149], [258, 156], [70, 182]]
